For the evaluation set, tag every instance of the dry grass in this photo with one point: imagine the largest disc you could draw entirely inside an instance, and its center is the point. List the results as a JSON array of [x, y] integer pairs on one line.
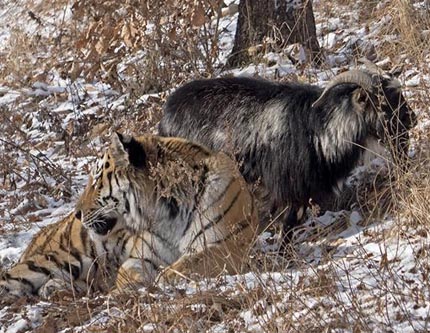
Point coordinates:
[[304, 288], [411, 21]]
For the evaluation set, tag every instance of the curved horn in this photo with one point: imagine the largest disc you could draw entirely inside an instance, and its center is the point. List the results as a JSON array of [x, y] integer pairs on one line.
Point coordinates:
[[371, 67], [359, 77]]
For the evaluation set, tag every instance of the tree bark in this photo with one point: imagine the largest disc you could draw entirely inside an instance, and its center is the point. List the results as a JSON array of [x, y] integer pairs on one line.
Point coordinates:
[[288, 21], [252, 27]]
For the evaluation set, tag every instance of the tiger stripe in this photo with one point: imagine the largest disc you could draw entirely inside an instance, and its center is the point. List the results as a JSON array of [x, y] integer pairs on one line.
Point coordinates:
[[152, 206], [182, 196], [65, 251]]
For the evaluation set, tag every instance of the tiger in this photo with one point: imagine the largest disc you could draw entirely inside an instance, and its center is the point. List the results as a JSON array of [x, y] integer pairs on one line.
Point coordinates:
[[189, 206], [62, 255], [154, 209]]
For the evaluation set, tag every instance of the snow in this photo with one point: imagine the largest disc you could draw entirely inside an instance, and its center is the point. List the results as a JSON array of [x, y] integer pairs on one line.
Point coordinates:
[[329, 40], [18, 326], [359, 267], [8, 97], [414, 81]]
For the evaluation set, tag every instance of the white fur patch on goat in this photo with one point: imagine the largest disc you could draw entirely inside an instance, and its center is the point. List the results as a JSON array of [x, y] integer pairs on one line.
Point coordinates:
[[373, 149], [340, 133], [219, 136], [269, 123], [394, 83]]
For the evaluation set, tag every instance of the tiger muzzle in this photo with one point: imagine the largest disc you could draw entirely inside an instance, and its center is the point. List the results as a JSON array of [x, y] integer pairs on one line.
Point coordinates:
[[104, 225]]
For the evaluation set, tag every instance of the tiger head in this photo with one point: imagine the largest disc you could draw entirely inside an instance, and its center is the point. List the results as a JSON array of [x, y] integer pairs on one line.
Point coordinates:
[[108, 199]]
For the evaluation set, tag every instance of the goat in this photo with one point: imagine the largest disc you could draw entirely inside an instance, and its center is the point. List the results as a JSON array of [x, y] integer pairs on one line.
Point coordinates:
[[299, 140]]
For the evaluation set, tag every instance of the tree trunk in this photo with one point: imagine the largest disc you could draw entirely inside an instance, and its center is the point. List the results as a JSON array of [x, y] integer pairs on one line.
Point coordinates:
[[288, 21], [252, 27]]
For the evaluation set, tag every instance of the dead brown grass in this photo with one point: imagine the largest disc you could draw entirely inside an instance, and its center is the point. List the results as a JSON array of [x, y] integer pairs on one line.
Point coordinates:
[[409, 20], [174, 52]]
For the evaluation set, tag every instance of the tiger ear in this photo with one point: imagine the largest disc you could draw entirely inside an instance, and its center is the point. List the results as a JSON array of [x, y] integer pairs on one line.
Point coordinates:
[[126, 150]]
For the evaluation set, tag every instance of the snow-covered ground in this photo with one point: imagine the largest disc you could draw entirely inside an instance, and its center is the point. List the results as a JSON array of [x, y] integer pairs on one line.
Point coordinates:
[[351, 272]]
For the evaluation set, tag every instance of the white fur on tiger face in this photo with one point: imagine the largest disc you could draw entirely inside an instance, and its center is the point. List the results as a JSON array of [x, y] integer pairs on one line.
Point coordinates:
[[152, 206], [182, 197]]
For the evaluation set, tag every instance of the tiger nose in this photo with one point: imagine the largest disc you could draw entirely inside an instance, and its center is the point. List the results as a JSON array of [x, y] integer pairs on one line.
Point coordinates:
[[78, 214]]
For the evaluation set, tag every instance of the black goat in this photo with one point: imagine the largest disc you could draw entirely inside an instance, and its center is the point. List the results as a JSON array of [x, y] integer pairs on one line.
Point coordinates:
[[298, 140]]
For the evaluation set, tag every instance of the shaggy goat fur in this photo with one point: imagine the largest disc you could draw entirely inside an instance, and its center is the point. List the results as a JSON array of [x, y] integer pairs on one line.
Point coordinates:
[[296, 150]]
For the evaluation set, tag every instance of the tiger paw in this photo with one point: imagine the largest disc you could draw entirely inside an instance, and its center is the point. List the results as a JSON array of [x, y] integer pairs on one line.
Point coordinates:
[[170, 276], [51, 287]]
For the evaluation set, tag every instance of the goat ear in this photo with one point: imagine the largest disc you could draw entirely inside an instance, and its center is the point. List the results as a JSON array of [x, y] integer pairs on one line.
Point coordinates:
[[360, 96], [127, 150]]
